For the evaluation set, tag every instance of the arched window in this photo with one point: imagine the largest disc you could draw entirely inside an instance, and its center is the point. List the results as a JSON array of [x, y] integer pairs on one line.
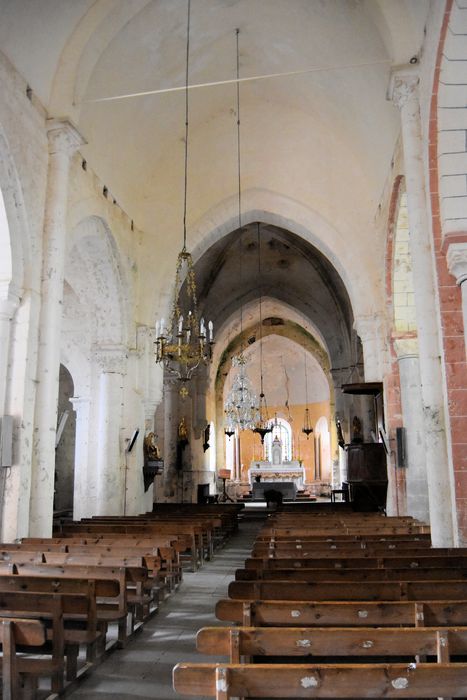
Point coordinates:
[[283, 432]]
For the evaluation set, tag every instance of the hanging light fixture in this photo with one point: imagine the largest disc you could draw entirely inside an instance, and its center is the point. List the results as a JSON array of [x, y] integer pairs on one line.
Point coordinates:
[[262, 424], [307, 429], [185, 341], [241, 405]]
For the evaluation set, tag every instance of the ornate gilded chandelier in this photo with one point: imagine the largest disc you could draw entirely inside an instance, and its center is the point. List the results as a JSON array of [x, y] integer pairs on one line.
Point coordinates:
[[184, 341], [241, 405]]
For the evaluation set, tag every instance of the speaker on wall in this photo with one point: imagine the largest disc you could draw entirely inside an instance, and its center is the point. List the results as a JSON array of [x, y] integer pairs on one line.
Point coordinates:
[[6, 441], [401, 447], [133, 440]]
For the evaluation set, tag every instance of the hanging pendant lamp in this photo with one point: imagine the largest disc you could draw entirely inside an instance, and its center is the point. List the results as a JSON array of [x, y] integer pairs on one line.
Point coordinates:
[[307, 429], [262, 425], [241, 405], [184, 342]]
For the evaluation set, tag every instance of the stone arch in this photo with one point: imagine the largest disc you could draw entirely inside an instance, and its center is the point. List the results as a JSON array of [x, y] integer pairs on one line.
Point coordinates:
[[272, 208], [65, 443], [14, 230], [290, 330], [96, 275]]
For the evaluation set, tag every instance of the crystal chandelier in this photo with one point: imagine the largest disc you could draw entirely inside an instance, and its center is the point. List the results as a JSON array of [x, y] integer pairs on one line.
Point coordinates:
[[262, 424], [184, 342], [241, 410], [307, 429], [241, 405]]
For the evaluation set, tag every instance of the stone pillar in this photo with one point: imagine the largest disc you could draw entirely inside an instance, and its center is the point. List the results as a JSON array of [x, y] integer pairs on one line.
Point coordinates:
[[110, 463], [339, 456], [413, 421], [171, 420], [84, 492], [404, 93], [457, 263], [64, 140], [370, 332], [8, 308]]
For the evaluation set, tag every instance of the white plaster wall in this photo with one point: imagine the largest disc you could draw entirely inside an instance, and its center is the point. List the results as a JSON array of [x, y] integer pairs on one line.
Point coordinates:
[[23, 170]]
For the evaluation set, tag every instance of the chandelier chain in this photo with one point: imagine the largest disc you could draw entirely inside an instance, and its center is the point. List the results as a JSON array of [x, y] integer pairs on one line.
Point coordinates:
[[239, 181], [186, 121], [260, 310]]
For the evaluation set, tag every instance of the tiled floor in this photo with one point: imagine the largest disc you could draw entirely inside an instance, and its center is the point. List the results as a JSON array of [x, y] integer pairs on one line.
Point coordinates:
[[143, 669]]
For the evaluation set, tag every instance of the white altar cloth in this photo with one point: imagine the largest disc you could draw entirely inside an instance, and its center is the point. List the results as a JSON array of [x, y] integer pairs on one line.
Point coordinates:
[[286, 471]]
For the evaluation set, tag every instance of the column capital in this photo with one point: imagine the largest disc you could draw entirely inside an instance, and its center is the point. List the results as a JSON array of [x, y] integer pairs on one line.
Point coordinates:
[[367, 326], [63, 136], [403, 85], [456, 258], [111, 359], [78, 401], [406, 347]]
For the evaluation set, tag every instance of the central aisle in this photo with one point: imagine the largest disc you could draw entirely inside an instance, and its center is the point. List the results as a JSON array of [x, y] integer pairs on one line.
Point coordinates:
[[143, 669]]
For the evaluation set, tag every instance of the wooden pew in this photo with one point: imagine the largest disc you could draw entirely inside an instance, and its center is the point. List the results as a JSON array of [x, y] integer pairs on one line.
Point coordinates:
[[107, 587], [13, 633], [142, 589], [192, 533], [323, 549], [348, 590], [332, 643], [223, 681], [71, 622], [429, 559], [167, 548], [273, 613], [344, 574]]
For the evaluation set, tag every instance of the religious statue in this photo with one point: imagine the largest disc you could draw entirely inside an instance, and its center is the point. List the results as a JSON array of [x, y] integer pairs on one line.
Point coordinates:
[[183, 432], [340, 435], [357, 434], [151, 451]]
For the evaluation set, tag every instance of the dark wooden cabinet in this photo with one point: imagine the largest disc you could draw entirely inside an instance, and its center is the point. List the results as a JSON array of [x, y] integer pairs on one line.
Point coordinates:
[[367, 476]]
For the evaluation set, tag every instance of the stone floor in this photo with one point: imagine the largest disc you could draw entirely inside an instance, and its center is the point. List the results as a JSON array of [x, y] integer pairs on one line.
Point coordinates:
[[143, 669]]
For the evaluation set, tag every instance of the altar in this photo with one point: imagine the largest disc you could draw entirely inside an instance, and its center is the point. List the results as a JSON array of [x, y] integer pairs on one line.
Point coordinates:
[[277, 470]]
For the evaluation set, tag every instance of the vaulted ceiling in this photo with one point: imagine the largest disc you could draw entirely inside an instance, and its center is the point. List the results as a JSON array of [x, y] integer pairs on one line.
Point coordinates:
[[320, 136]]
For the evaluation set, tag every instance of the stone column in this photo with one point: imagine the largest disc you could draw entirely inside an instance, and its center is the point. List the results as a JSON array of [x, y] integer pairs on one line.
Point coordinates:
[[370, 332], [83, 493], [110, 463], [339, 456], [413, 420], [171, 420], [457, 263], [64, 140], [8, 306], [404, 93]]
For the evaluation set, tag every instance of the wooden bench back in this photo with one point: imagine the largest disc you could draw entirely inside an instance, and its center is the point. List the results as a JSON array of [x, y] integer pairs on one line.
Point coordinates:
[[350, 590], [58, 581], [343, 613], [223, 681], [235, 642], [342, 574], [424, 560]]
